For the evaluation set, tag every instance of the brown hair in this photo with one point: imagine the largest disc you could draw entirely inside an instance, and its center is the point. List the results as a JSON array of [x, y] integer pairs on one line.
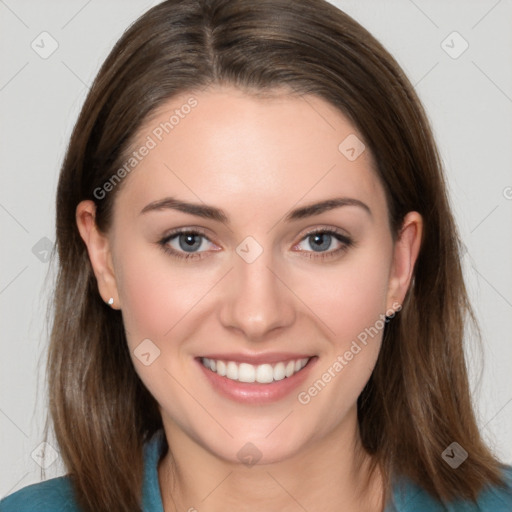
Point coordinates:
[[417, 400]]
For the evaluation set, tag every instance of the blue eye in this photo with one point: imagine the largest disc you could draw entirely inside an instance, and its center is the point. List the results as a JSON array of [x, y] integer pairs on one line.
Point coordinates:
[[321, 240], [188, 244], [191, 244]]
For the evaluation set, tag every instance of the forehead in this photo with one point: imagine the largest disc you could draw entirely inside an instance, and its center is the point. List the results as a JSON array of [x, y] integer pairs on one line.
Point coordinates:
[[226, 147]]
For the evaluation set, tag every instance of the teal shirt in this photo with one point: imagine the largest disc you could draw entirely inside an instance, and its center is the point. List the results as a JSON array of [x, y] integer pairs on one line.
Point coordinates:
[[56, 494]]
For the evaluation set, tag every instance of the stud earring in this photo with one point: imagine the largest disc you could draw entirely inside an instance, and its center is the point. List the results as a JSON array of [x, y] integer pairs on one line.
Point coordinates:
[[111, 301]]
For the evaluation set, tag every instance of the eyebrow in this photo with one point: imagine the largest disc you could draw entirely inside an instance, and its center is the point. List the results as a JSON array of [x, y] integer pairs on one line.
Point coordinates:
[[213, 213]]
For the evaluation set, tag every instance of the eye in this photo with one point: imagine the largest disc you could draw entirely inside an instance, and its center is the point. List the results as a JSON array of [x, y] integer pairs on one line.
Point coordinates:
[[192, 243], [322, 243], [185, 244]]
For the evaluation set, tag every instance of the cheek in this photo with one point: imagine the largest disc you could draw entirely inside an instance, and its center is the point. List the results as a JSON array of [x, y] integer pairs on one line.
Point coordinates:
[[351, 302], [350, 296], [156, 293], [158, 298]]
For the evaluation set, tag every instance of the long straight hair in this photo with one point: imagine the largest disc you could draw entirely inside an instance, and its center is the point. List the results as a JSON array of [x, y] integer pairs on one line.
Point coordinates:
[[417, 400]]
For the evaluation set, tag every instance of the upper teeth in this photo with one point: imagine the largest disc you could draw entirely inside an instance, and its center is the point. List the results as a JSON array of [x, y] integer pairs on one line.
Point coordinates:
[[263, 373]]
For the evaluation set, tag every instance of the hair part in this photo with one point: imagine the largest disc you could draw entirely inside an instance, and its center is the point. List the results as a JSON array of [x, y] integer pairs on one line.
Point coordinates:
[[417, 400]]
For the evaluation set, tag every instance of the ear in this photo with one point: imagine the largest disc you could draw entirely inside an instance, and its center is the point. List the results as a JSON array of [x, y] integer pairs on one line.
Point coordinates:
[[98, 247], [405, 253]]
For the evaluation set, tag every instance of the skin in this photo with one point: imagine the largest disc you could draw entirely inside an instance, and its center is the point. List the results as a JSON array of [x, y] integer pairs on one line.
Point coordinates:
[[256, 159]]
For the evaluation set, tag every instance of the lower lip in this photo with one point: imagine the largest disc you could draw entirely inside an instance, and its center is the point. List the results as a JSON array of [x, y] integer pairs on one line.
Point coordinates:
[[255, 393]]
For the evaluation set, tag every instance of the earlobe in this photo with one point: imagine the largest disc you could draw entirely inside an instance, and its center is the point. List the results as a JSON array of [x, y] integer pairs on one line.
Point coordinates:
[[406, 251], [99, 251]]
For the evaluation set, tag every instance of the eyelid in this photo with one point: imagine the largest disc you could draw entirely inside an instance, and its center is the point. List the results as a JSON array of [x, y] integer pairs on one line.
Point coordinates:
[[187, 230], [323, 228]]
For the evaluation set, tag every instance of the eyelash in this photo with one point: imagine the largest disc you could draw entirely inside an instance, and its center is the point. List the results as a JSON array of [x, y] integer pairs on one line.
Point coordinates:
[[338, 235]]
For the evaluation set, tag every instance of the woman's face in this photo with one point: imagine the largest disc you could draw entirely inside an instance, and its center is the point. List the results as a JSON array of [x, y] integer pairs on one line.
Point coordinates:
[[265, 277]]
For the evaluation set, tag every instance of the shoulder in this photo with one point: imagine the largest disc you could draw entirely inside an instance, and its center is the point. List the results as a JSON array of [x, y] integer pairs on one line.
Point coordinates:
[[497, 499], [57, 494], [54, 495], [411, 498]]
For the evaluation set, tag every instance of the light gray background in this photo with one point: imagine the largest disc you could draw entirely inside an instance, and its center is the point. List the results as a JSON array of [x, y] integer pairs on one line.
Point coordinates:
[[469, 102]]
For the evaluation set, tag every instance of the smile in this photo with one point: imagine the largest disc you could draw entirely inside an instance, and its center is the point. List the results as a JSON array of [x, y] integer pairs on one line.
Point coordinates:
[[262, 373]]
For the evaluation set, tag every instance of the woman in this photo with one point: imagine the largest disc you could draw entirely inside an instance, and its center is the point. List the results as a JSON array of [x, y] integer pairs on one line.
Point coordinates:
[[260, 304]]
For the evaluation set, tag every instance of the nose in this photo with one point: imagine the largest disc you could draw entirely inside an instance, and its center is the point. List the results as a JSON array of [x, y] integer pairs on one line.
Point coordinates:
[[256, 300]]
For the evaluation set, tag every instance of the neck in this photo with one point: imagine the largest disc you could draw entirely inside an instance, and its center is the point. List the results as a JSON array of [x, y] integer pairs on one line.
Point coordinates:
[[328, 474]]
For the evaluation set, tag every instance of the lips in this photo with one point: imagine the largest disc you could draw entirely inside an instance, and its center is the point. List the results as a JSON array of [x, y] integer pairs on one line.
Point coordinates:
[[265, 388]]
